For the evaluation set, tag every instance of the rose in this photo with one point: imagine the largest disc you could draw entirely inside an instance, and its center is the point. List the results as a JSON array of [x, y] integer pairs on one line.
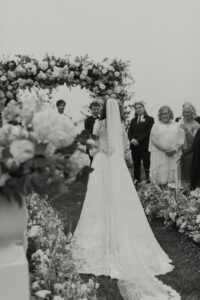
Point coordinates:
[[3, 178], [42, 294], [3, 78], [31, 68], [41, 75], [117, 74], [102, 86], [20, 70], [9, 95], [44, 65], [52, 63], [11, 74], [22, 150], [104, 71], [54, 128], [198, 219], [196, 238]]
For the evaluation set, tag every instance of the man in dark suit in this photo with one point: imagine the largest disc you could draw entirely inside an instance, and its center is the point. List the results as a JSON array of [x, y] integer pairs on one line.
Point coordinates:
[[139, 133], [89, 122]]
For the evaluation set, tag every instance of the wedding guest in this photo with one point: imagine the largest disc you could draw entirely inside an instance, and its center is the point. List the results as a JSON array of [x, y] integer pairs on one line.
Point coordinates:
[[195, 169], [190, 126], [61, 105], [178, 119], [138, 133], [166, 142], [89, 122], [2, 102]]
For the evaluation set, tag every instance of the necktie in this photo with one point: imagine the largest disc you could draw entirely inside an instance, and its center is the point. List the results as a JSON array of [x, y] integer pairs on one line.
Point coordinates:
[[138, 121]]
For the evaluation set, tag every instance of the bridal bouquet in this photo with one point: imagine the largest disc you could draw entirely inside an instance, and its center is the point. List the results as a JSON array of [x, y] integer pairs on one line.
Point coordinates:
[[44, 155]]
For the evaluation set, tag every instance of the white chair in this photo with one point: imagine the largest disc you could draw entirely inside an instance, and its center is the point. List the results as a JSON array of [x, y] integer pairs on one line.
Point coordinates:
[[14, 275]]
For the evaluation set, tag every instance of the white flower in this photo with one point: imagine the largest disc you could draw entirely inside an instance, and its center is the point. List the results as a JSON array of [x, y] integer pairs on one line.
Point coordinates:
[[11, 74], [31, 68], [44, 65], [22, 150], [20, 70], [42, 294], [52, 63], [198, 219], [58, 298], [77, 161], [52, 127], [172, 216], [102, 86], [58, 287], [97, 285], [41, 75], [30, 105], [147, 211], [196, 238], [35, 231], [3, 78], [117, 74], [3, 178], [110, 68], [105, 70], [36, 285], [9, 95]]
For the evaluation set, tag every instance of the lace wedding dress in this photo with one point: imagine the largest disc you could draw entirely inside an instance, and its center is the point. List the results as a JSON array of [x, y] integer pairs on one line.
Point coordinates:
[[113, 236]]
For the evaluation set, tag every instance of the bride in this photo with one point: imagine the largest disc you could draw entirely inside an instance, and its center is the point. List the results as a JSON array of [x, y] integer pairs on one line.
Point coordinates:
[[113, 236]]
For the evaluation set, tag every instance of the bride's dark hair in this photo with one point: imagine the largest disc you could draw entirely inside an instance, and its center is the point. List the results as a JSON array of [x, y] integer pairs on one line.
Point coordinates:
[[103, 112]]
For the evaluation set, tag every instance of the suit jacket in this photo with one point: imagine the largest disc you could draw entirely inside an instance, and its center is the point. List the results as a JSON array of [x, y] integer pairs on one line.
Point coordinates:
[[89, 124], [141, 132]]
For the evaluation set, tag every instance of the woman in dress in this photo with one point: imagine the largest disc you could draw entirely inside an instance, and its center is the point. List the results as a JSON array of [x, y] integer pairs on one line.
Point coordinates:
[[190, 126], [166, 142], [113, 236]]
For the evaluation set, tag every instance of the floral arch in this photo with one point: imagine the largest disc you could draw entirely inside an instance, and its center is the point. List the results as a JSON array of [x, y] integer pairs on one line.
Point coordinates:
[[109, 78]]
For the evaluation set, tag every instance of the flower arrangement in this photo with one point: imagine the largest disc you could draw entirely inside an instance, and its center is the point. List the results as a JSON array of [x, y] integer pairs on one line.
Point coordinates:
[[54, 274], [180, 208], [37, 154], [103, 80]]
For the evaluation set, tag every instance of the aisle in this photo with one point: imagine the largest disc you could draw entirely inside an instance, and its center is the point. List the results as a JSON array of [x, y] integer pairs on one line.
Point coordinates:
[[185, 254]]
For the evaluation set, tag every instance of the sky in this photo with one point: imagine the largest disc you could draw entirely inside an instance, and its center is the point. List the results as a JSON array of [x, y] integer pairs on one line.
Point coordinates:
[[161, 38]]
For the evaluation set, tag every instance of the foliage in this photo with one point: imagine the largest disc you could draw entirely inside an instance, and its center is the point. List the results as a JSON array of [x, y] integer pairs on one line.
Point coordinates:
[[42, 153], [103, 80], [178, 207], [54, 272]]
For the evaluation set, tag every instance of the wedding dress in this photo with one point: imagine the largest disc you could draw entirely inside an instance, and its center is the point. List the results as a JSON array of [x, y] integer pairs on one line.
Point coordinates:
[[113, 236]]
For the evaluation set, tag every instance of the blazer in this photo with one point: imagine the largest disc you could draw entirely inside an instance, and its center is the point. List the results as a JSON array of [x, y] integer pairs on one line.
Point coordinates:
[[141, 132], [89, 124]]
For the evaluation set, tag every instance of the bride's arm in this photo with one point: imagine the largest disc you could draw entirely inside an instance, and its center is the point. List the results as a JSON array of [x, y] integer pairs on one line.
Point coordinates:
[[125, 139]]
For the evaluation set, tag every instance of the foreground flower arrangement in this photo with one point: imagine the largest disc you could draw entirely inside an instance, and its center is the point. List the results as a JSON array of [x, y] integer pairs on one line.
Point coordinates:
[[180, 208], [42, 152], [54, 275], [109, 78]]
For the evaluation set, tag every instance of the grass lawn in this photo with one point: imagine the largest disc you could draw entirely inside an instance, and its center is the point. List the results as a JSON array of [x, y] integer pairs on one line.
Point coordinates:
[[186, 254]]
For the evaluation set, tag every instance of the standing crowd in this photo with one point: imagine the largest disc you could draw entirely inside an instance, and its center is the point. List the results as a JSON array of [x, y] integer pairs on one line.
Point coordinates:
[[168, 149]]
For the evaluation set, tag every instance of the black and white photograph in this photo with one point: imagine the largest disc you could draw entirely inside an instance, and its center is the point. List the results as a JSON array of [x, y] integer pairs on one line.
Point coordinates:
[[100, 150]]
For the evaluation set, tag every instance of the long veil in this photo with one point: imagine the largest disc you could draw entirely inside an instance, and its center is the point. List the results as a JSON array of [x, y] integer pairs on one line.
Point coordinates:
[[135, 256]]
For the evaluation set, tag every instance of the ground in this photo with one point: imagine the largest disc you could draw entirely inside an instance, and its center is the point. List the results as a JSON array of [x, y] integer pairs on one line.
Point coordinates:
[[186, 254]]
